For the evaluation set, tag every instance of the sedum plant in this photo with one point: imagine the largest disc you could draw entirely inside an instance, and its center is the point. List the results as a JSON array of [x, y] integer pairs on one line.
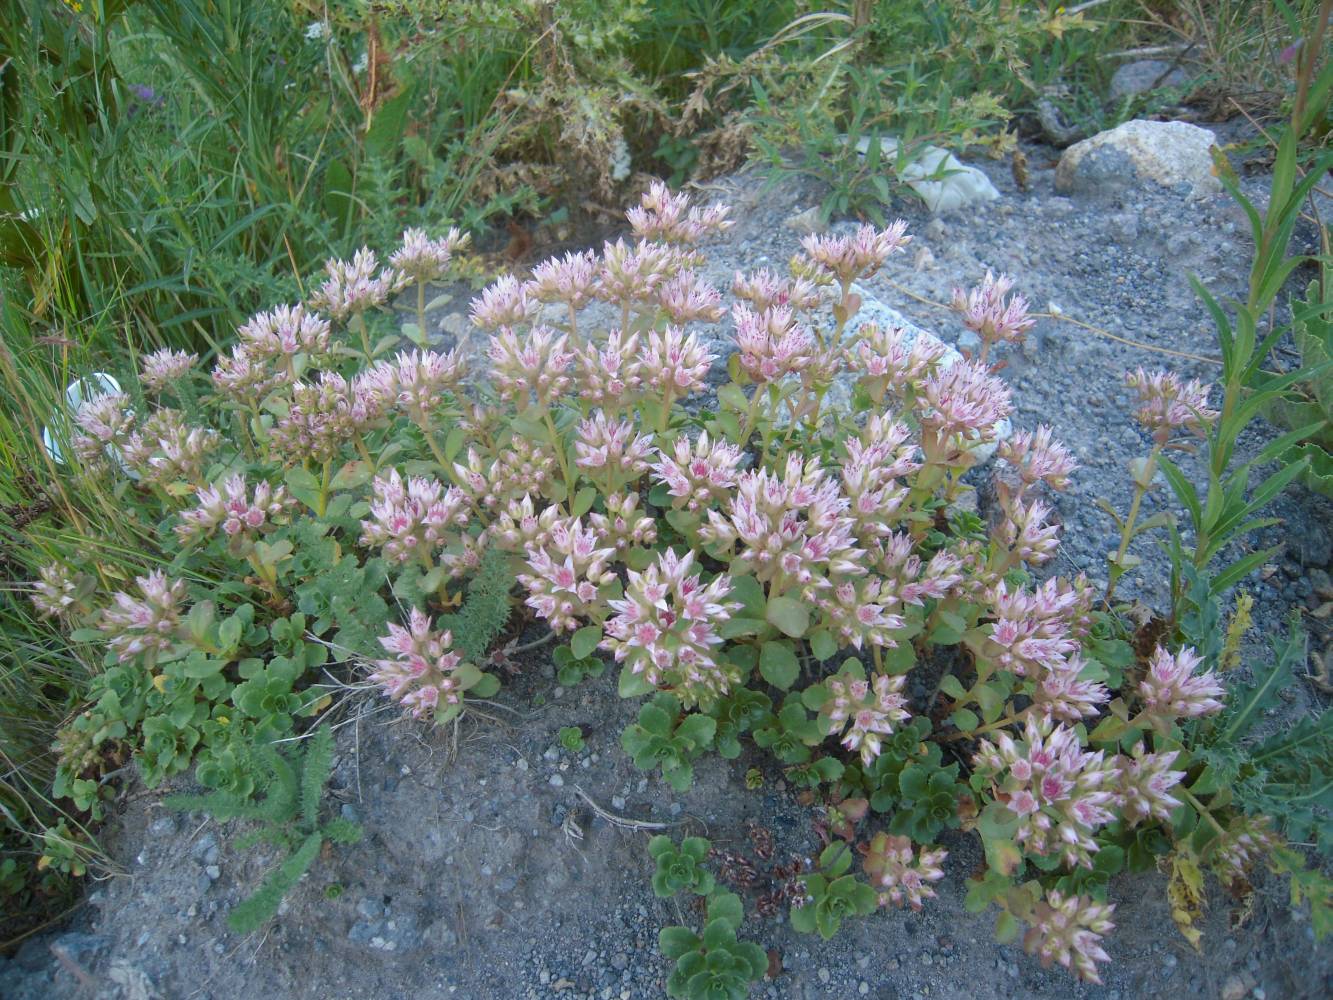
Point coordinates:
[[680, 867], [726, 492], [713, 965]]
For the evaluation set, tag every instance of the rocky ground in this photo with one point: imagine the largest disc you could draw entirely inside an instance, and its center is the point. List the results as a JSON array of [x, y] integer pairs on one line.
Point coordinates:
[[497, 865]]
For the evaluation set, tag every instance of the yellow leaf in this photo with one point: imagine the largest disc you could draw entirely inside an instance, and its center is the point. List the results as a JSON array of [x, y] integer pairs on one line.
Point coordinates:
[[1240, 624], [43, 863], [160, 682], [1185, 894], [323, 703]]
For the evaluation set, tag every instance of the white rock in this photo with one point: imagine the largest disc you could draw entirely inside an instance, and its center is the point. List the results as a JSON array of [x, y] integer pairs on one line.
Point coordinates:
[[958, 186], [873, 311], [1173, 155]]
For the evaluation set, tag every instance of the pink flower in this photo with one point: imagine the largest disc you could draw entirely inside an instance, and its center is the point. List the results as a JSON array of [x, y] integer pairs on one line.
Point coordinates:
[[424, 259], [1038, 458], [568, 279], [412, 521], [623, 525], [890, 361], [1024, 531], [789, 527], [505, 303], [565, 571], [989, 315], [1058, 791], [1171, 690], [104, 425], [238, 513], [159, 370], [898, 874], [866, 710], [960, 406], [1069, 930], [354, 287], [1167, 405], [877, 462], [520, 467], [1061, 694], [245, 378], [283, 333], [859, 255], [610, 451], [674, 363], [665, 630], [634, 273], [609, 375], [1145, 784], [519, 525], [423, 672], [771, 343], [1246, 840], [323, 416], [148, 623], [668, 217], [687, 298], [764, 289], [1032, 633], [422, 378], [533, 366], [61, 591], [856, 611], [165, 448], [700, 476]]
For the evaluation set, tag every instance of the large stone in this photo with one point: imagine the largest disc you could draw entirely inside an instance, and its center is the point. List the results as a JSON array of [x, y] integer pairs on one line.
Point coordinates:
[[944, 183], [1171, 155], [1145, 75]]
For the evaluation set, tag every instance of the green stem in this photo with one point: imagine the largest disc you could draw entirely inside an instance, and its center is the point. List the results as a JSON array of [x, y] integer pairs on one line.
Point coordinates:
[[364, 452], [324, 487], [365, 335], [434, 446], [1127, 530], [1202, 811], [750, 415], [560, 455], [421, 312], [990, 727]]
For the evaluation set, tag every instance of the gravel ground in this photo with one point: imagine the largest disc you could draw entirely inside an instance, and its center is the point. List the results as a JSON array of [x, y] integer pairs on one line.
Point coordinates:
[[486, 873]]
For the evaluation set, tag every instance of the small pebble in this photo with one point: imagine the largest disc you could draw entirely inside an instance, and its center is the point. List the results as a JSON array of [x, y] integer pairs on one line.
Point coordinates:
[[557, 781]]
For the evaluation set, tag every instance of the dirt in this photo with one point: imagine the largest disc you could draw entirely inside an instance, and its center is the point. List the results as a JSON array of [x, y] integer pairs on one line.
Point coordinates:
[[491, 866]]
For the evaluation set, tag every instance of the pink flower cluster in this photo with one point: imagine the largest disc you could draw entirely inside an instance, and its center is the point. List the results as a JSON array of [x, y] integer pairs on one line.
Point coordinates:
[[1061, 794], [424, 259], [565, 571], [324, 415], [149, 623], [771, 342], [611, 452], [898, 873], [160, 370], [866, 709], [411, 521], [103, 426], [661, 215], [1168, 405], [859, 255], [424, 671], [1172, 690], [988, 314], [699, 476], [60, 591], [353, 287], [165, 448], [520, 468], [789, 527], [1069, 930], [240, 514], [665, 630]]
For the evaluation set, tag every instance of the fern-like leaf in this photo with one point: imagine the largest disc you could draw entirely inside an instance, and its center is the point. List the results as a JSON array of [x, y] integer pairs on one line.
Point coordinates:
[[314, 773], [342, 831], [220, 805], [253, 912], [279, 804], [485, 610]]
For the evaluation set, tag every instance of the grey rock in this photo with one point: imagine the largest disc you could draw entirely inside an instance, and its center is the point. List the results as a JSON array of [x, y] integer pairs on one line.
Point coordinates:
[[1143, 76], [1138, 154], [163, 826], [205, 849]]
